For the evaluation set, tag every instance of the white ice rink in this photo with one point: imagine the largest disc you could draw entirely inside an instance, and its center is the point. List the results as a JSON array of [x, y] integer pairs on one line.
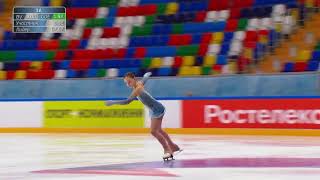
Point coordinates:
[[138, 157]]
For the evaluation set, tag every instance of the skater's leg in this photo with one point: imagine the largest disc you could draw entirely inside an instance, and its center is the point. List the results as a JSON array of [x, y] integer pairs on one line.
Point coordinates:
[[155, 131], [172, 146]]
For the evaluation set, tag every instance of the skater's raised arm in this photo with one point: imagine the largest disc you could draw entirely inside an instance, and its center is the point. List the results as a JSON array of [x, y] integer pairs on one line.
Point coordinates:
[[145, 77]]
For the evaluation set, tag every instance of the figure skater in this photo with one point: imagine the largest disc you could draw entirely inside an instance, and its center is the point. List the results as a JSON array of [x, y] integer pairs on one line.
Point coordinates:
[[156, 109]]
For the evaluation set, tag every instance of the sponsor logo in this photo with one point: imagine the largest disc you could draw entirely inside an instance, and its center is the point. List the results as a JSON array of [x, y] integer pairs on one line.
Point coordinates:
[[261, 116], [251, 113]]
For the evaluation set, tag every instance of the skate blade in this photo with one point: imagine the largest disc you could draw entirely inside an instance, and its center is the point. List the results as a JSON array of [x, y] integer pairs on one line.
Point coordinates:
[[168, 158]]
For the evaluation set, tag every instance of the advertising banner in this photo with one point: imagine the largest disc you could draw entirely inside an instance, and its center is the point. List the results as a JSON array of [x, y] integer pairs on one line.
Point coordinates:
[[92, 114], [172, 116], [252, 113], [20, 114]]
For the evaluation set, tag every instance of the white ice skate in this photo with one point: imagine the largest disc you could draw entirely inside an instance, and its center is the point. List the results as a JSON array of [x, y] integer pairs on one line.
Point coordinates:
[[167, 157]]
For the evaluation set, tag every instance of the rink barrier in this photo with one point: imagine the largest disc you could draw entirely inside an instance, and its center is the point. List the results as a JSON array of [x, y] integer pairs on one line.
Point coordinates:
[[158, 98], [172, 130], [191, 131]]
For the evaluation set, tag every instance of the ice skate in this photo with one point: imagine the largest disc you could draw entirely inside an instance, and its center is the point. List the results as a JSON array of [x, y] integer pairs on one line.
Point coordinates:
[[167, 157]]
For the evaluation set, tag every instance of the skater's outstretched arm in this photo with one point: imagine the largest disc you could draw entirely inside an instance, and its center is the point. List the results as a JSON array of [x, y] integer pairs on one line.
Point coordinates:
[[120, 102], [136, 92]]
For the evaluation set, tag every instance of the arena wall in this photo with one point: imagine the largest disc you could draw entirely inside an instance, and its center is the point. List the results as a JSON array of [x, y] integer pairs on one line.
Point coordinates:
[[244, 116]]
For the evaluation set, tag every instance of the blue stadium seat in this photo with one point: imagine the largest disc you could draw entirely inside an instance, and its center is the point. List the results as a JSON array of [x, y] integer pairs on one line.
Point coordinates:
[[164, 71], [92, 73], [313, 66], [160, 40], [91, 3], [56, 65], [110, 63], [199, 61], [112, 11], [109, 22], [224, 49], [96, 64], [288, 67], [161, 29], [154, 1], [83, 43], [11, 66], [161, 51], [71, 73], [222, 60], [32, 55], [315, 56], [65, 64], [174, 71], [196, 38], [81, 73], [130, 52], [123, 71], [134, 62], [227, 37], [204, 27]]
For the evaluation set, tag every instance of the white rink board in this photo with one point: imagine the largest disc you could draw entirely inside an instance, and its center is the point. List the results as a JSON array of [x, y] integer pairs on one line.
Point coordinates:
[[172, 117], [21, 114], [30, 114]]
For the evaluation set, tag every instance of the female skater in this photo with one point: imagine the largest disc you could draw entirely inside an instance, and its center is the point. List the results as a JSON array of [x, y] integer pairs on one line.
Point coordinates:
[[156, 110]]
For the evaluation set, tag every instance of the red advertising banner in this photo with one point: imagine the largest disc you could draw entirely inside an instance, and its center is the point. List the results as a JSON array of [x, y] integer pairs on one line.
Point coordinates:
[[252, 113]]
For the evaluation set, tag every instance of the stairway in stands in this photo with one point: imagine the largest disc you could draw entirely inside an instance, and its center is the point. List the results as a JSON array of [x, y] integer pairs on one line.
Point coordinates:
[[297, 49]]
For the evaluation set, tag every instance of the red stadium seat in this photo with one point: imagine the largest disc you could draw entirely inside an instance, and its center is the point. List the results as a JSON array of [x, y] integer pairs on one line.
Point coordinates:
[[48, 44], [109, 53], [75, 13], [24, 65], [232, 25], [126, 11], [180, 39], [86, 33], [251, 36], [217, 68], [200, 16], [242, 63], [80, 64], [111, 32], [46, 65], [40, 74], [140, 52], [250, 44], [120, 53], [143, 10], [74, 44], [60, 55], [177, 62], [234, 13], [300, 66], [203, 48], [206, 38], [217, 5], [147, 10], [97, 54], [10, 75]]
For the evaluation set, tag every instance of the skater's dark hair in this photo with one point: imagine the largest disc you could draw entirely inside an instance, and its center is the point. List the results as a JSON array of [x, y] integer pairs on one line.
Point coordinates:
[[130, 75]]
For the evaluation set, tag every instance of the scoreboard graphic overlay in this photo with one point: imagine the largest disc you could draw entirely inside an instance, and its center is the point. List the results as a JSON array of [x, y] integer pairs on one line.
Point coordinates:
[[39, 19]]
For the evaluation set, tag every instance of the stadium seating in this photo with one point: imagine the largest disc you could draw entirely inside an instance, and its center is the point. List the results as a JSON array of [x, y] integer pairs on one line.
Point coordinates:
[[107, 38], [305, 61]]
